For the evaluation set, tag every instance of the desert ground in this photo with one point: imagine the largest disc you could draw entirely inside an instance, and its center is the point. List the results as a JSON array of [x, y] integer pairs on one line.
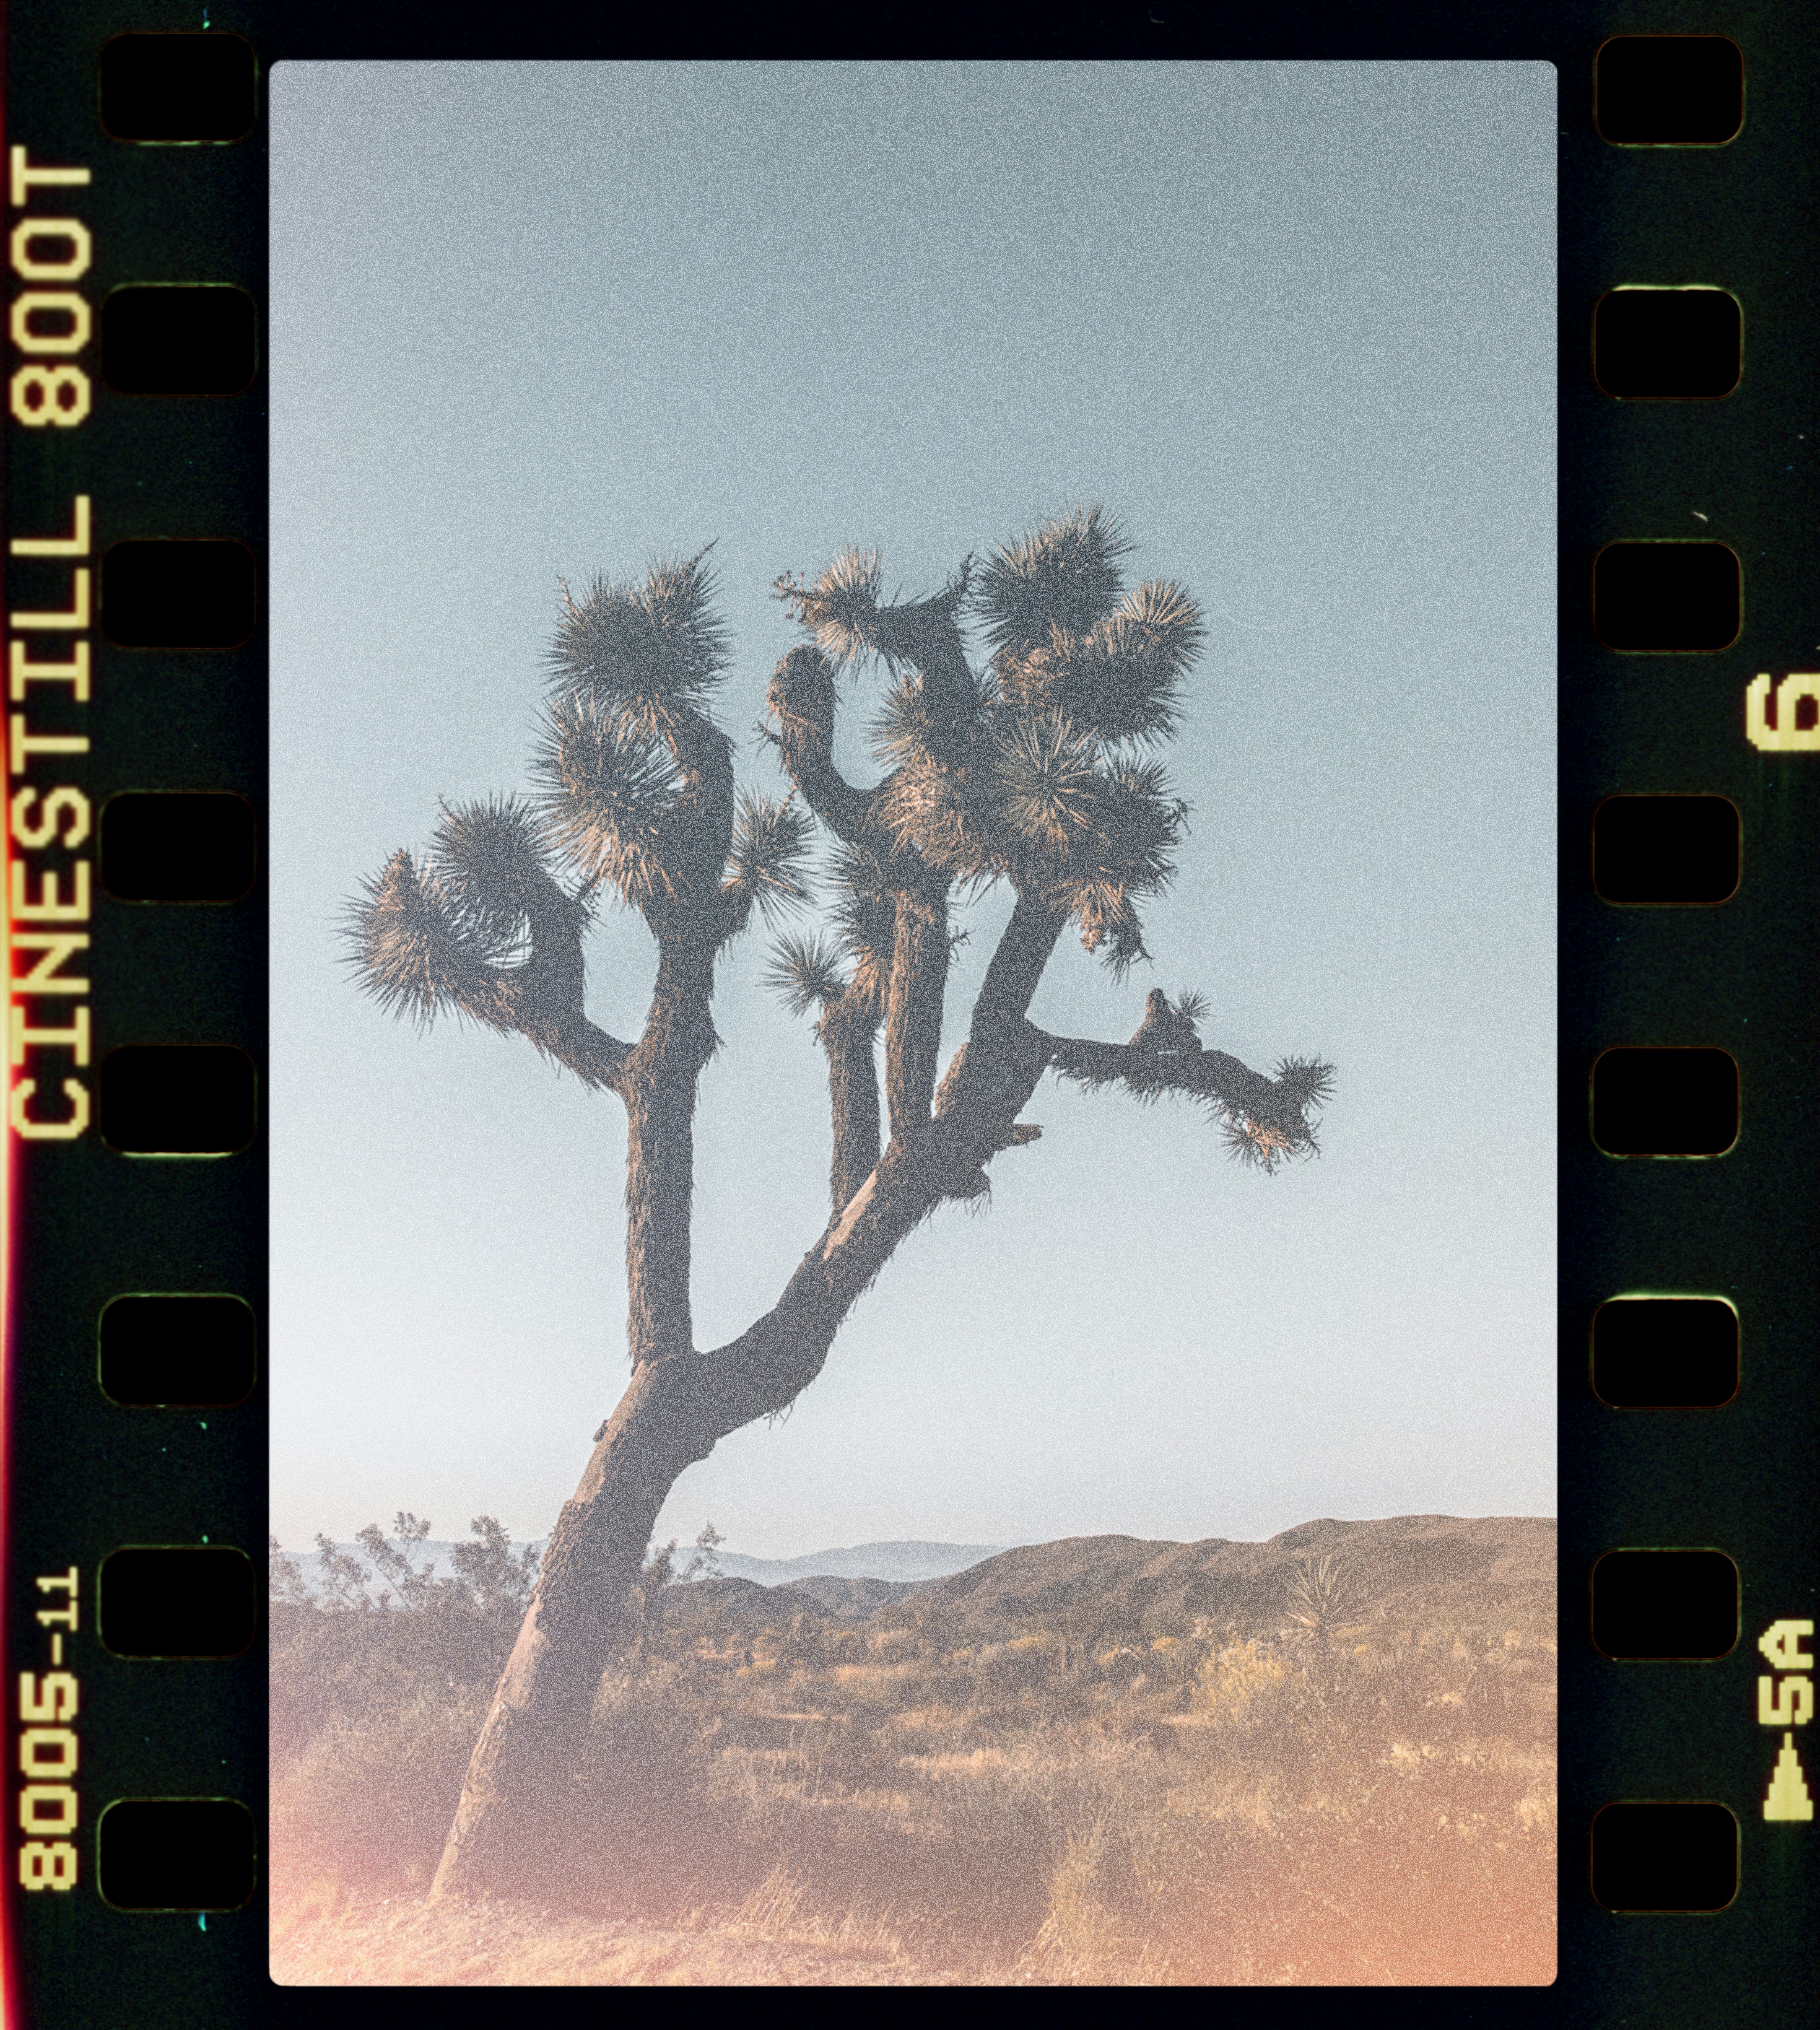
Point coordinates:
[[1328, 1759]]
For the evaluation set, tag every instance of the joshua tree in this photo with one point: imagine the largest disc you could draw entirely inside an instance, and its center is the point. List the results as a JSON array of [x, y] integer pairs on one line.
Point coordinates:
[[1029, 767]]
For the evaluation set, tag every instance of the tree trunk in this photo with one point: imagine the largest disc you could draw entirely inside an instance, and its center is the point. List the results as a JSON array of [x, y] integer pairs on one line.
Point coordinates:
[[519, 1791], [659, 1180], [518, 1799], [659, 1089]]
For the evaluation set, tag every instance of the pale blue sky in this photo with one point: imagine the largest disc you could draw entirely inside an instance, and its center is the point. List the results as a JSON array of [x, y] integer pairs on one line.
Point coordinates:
[[1295, 325]]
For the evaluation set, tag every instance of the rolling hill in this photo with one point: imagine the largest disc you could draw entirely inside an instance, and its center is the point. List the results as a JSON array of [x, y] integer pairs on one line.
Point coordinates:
[[1434, 1566]]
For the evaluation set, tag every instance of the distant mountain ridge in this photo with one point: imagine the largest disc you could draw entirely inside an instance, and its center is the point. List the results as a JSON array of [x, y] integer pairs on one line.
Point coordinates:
[[912, 1562], [900, 1564]]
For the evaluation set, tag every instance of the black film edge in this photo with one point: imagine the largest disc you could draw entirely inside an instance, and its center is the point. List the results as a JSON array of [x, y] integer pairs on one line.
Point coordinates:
[[137, 581]]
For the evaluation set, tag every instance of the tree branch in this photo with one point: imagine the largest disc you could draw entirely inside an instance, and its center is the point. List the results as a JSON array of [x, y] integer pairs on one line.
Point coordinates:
[[597, 1059], [694, 834], [914, 1002], [1266, 1119], [763, 1371], [417, 950], [661, 1075], [546, 993], [801, 700], [922, 633], [1016, 968], [847, 1033]]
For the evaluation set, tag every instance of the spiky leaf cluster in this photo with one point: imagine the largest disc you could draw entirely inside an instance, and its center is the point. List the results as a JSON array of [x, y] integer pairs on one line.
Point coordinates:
[[626, 745], [488, 855], [806, 972], [1046, 783], [864, 922], [770, 852], [641, 652], [1263, 1138], [1024, 770], [1305, 1081], [409, 942], [1320, 1594], [606, 791], [1120, 679], [840, 607], [940, 800], [1111, 834], [1064, 576], [851, 960], [1261, 1143], [1030, 795]]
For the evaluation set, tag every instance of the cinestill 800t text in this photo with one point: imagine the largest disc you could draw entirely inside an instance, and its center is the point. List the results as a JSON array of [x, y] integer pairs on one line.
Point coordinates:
[[48, 656]]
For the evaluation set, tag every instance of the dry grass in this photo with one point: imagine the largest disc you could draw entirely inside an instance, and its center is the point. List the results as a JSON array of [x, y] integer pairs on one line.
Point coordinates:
[[1243, 1813], [324, 1935]]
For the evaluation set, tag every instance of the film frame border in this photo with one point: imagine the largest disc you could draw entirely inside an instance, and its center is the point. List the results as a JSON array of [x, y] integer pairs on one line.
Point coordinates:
[[87, 1484]]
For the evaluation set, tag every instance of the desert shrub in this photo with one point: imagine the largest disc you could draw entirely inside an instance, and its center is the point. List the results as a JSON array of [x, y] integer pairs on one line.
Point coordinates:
[[1028, 1661], [869, 1691], [844, 1644], [320, 1666], [1101, 1637], [803, 1643], [1246, 1688], [927, 1730], [374, 1796], [644, 1825], [940, 1630], [284, 1576], [1122, 1664], [1175, 1659], [1398, 1683], [641, 1736], [498, 1585], [328, 1665], [671, 1617]]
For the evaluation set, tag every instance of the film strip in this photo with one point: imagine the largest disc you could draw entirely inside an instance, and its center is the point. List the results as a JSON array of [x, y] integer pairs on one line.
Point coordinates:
[[136, 471]]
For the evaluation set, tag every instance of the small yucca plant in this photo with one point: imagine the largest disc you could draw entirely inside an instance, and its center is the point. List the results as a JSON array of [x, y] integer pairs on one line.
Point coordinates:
[[1320, 1594]]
